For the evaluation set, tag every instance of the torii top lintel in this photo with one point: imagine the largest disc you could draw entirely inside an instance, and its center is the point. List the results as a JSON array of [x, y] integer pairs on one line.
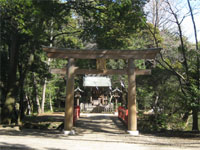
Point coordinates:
[[107, 54]]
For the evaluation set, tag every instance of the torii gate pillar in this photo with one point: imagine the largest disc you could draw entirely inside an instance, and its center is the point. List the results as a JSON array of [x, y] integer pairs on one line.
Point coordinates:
[[69, 102], [132, 111]]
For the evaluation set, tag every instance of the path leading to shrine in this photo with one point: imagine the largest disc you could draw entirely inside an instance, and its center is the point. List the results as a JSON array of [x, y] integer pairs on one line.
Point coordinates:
[[93, 132]]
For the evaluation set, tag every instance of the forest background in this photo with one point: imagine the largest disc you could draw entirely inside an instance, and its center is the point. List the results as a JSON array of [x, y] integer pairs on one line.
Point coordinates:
[[27, 87]]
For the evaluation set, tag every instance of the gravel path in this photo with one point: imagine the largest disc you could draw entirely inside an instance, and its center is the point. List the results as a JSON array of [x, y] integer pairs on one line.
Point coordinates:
[[93, 132]]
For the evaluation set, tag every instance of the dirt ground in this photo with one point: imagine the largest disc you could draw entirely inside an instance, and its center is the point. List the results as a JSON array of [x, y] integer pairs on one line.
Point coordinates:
[[93, 132]]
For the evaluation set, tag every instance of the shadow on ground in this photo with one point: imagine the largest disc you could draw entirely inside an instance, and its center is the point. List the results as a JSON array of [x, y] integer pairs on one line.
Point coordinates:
[[175, 134], [32, 132], [100, 123], [85, 125], [8, 146]]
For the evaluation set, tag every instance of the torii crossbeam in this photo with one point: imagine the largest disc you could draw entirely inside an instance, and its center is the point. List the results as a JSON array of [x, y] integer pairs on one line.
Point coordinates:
[[71, 71]]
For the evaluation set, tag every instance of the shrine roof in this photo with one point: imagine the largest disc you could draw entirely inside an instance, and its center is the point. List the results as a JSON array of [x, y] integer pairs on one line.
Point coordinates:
[[96, 81]]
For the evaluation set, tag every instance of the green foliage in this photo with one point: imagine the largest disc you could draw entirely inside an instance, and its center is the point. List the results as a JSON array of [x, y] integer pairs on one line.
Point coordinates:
[[25, 28], [159, 96], [146, 37], [112, 23]]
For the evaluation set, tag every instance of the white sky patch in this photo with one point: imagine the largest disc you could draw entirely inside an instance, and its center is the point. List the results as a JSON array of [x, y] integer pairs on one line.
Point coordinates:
[[189, 30], [181, 8], [187, 23]]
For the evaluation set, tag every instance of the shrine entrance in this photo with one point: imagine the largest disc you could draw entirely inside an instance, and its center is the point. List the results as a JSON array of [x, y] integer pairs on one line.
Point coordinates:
[[99, 89], [101, 55]]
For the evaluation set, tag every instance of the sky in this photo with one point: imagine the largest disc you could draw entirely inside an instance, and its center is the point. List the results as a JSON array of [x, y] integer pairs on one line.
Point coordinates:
[[187, 23], [188, 28], [181, 8]]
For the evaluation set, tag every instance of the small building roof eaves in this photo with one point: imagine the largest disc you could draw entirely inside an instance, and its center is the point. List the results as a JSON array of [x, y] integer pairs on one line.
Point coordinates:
[[117, 90]]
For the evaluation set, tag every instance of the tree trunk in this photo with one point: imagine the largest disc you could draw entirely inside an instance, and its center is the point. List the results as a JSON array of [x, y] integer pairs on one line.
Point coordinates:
[[36, 94], [186, 116], [38, 104], [195, 119], [21, 95], [22, 73], [43, 95], [155, 107], [50, 103], [45, 82], [0, 111], [44, 89], [7, 112], [195, 110], [28, 112], [22, 101]]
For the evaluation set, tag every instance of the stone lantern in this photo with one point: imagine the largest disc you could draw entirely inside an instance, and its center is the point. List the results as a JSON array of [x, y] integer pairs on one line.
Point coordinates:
[[77, 95], [116, 94]]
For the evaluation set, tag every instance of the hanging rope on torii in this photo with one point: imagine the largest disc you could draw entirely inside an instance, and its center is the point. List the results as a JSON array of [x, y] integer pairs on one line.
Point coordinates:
[[101, 56]]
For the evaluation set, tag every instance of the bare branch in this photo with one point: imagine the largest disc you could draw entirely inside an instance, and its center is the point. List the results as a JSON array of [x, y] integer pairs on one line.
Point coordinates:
[[170, 68]]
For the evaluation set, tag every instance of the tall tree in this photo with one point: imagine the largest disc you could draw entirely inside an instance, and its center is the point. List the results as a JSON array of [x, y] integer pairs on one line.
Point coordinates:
[[195, 108], [12, 37], [23, 29], [182, 63]]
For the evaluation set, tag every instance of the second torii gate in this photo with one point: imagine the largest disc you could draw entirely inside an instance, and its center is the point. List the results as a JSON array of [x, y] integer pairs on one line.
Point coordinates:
[[71, 71]]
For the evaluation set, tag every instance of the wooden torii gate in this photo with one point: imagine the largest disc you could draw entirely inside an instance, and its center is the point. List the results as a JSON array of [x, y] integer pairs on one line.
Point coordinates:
[[71, 71]]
